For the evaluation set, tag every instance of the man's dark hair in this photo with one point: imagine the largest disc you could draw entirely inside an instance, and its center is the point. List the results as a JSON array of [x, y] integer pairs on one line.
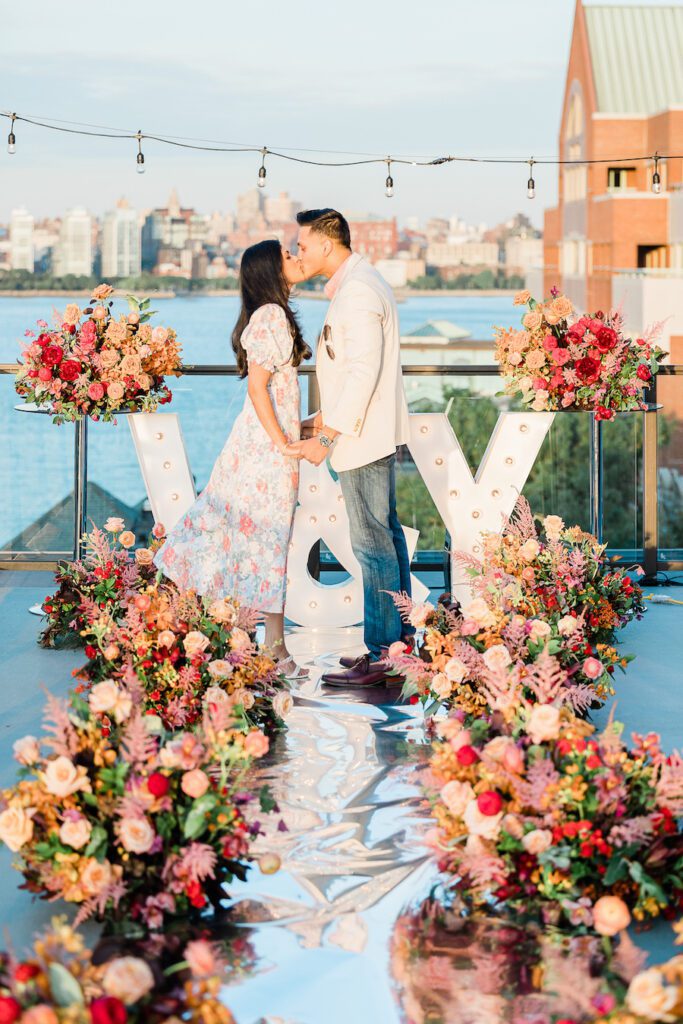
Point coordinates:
[[327, 222]]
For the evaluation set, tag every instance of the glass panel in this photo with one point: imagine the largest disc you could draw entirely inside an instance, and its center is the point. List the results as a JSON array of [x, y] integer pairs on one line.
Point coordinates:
[[670, 468], [36, 469]]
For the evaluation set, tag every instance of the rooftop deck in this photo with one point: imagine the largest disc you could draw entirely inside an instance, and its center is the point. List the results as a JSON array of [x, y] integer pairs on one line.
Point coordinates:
[[347, 778]]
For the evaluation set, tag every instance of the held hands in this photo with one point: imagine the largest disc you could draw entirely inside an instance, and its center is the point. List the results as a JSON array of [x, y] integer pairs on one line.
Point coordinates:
[[309, 449], [312, 425]]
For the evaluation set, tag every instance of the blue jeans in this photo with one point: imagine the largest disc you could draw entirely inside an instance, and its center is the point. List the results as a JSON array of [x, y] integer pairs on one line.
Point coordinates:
[[379, 544]]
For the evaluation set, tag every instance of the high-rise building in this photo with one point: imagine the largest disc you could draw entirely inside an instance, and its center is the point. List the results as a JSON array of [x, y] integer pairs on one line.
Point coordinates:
[[22, 246], [376, 239], [280, 209], [171, 226], [250, 209], [74, 252], [121, 255]]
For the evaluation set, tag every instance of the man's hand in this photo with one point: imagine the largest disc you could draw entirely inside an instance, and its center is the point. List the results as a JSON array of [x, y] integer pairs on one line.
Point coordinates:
[[311, 426], [311, 450]]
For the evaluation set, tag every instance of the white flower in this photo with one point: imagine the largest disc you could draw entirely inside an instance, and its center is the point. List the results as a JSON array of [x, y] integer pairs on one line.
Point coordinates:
[[649, 997], [479, 612], [128, 979], [75, 832], [497, 658], [456, 670], [529, 549], [283, 704], [456, 796], [27, 750], [554, 525], [442, 686], [567, 625], [485, 825], [62, 777], [539, 631], [543, 723], [136, 834]]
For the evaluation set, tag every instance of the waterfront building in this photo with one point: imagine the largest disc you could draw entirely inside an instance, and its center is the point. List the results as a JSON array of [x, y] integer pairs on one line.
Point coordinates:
[[21, 241], [121, 252], [73, 253], [374, 238]]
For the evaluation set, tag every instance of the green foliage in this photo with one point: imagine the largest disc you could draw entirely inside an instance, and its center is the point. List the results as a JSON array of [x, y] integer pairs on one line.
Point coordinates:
[[482, 280]]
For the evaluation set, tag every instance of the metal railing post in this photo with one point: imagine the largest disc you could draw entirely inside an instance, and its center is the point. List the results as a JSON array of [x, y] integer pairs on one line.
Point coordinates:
[[650, 486]]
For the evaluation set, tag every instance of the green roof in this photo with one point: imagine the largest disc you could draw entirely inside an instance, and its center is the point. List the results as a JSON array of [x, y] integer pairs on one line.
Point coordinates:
[[637, 57], [442, 329]]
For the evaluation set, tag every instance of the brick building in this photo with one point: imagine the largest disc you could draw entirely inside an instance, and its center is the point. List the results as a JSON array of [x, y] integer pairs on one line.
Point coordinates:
[[376, 239], [610, 233]]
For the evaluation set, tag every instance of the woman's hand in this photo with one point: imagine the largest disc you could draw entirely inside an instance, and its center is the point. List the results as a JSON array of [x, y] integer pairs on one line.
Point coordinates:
[[288, 449], [311, 426]]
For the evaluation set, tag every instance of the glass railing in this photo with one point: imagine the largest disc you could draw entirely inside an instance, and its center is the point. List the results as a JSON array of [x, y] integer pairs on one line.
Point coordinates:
[[642, 480]]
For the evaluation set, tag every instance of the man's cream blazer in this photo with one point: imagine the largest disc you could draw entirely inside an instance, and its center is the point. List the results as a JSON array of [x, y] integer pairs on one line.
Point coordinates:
[[358, 365]]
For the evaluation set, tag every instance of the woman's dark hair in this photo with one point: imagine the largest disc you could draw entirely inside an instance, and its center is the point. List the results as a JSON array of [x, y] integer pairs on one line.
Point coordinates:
[[262, 281]]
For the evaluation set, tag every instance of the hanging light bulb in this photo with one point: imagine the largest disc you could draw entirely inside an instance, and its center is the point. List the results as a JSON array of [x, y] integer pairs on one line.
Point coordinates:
[[11, 139], [389, 183], [656, 180], [262, 169], [140, 159], [531, 184]]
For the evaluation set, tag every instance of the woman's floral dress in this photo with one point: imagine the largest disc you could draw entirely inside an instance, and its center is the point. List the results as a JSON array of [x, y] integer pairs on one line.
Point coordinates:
[[233, 542]]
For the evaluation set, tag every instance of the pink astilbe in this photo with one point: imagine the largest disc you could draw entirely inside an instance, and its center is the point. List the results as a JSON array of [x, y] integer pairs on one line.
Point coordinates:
[[579, 697], [632, 830], [248, 619], [130, 806], [197, 862], [533, 790], [130, 574], [629, 959], [175, 713], [188, 677], [545, 677], [62, 737], [404, 604], [669, 787], [98, 545], [113, 893], [521, 522], [501, 689], [484, 871], [464, 560], [138, 746]]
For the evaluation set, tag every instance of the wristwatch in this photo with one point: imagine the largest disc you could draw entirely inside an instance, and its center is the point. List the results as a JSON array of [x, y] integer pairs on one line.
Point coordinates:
[[325, 441]]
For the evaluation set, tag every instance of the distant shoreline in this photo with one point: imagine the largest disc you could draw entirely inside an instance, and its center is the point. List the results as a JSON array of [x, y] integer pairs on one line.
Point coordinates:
[[221, 293]]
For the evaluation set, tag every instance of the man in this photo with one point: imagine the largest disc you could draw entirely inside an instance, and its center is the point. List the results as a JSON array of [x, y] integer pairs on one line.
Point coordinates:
[[363, 418]]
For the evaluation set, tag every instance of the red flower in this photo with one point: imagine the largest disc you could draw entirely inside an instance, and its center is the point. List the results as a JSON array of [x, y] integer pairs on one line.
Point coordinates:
[[643, 372], [195, 894], [90, 651], [69, 369], [10, 1010], [108, 1010], [606, 339], [490, 802], [44, 339], [466, 754], [52, 355], [588, 370], [24, 972], [158, 784]]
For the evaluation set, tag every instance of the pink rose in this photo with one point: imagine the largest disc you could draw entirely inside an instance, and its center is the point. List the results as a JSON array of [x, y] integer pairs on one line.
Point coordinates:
[[593, 668], [456, 796], [99, 313], [538, 840], [239, 640], [256, 743], [543, 723], [194, 783], [102, 292], [96, 391], [136, 835], [195, 643]]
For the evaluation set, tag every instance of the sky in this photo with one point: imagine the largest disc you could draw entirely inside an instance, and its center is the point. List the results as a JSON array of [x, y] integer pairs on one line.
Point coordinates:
[[408, 77]]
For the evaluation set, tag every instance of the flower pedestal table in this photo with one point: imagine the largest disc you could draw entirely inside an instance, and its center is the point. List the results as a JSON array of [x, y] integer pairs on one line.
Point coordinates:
[[80, 480]]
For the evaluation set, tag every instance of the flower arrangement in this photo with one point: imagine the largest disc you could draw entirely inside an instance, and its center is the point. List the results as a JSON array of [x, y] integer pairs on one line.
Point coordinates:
[[480, 968], [138, 825], [560, 360], [105, 579], [539, 814], [178, 647], [62, 982], [549, 593], [91, 364]]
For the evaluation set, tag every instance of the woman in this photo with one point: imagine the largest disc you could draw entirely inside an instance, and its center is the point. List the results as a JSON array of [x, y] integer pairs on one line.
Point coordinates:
[[233, 542]]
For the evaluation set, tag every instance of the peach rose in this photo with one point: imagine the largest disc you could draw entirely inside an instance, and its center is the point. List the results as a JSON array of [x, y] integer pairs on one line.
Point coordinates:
[[106, 697], [115, 391], [129, 979], [201, 959], [649, 997], [130, 366], [538, 840], [513, 759], [75, 832], [72, 314], [114, 524], [512, 824], [487, 826], [256, 743], [610, 915], [136, 835], [283, 704], [166, 638], [480, 613], [26, 750], [532, 320], [116, 333], [145, 381], [543, 723], [127, 539], [457, 795], [553, 525], [244, 697], [529, 549], [109, 359], [539, 631], [239, 640], [419, 614], [96, 876], [515, 358], [462, 738], [195, 643], [102, 292], [220, 669], [16, 827], [62, 777], [567, 625], [396, 649], [521, 298], [160, 335], [496, 748], [111, 652], [142, 602], [99, 313], [133, 318], [42, 1013], [497, 657], [143, 556], [195, 783], [222, 611], [442, 686], [561, 307], [215, 695], [456, 670]]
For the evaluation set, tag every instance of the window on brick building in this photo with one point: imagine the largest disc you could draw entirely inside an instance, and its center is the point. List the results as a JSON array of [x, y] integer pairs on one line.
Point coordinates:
[[653, 257], [619, 177]]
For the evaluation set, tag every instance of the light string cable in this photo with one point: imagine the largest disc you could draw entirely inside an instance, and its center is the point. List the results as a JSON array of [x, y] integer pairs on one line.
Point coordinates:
[[294, 155]]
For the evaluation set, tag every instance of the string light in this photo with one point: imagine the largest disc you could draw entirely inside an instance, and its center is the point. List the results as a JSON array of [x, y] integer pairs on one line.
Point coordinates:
[[389, 183], [261, 182], [656, 180], [11, 140], [140, 159], [531, 184]]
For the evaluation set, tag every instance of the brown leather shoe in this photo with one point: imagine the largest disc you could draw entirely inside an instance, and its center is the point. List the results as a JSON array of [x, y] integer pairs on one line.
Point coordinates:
[[363, 672], [349, 660]]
